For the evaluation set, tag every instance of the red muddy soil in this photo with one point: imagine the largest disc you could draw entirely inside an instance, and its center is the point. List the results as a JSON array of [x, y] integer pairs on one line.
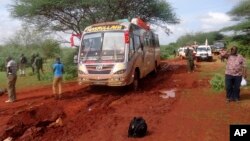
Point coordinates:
[[103, 113]]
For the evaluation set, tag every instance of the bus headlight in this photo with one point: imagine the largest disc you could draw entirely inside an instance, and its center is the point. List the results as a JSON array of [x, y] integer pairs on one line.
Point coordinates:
[[118, 79], [120, 71]]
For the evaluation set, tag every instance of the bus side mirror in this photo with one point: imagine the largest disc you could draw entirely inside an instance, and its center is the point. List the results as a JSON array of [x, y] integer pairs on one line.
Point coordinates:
[[75, 40]]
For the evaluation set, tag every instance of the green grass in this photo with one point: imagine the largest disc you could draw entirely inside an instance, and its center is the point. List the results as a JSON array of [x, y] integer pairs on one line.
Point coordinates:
[[30, 80], [220, 70], [215, 70]]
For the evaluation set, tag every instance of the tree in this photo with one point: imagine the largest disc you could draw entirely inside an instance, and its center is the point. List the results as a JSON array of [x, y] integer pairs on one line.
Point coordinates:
[[200, 38], [27, 36], [51, 48], [241, 12], [75, 15]]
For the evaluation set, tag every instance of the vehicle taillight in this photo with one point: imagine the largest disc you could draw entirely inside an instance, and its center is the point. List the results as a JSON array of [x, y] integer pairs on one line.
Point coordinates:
[[126, 37]]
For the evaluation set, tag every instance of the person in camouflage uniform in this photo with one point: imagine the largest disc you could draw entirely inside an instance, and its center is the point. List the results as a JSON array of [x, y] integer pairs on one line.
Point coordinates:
[[190, 60], [38, 63]]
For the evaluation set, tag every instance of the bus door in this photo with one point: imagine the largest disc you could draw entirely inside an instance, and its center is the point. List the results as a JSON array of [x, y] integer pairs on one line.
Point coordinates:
[[152, 54], [147, 55], [141, 54]]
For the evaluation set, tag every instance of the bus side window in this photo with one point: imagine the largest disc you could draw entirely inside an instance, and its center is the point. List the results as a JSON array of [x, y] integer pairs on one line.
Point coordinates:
[[131, 48], [153, 42], [146, 42], [137, 42], [142, 44]]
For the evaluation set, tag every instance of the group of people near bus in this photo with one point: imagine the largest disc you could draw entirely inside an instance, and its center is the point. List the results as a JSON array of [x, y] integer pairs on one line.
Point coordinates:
[[37, 67]]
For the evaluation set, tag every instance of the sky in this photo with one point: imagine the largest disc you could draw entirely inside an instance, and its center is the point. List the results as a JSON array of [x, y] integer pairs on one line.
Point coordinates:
[[198, 16], [195, 16]]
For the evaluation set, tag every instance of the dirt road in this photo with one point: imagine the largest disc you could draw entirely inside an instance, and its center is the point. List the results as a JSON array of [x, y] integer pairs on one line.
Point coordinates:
[[103, 114]]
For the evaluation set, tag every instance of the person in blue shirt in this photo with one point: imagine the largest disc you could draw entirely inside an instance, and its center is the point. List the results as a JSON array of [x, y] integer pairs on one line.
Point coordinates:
[[58, 70]]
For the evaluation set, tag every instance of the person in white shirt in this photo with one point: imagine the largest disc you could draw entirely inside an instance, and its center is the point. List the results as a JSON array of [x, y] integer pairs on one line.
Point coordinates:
[[12, 77]]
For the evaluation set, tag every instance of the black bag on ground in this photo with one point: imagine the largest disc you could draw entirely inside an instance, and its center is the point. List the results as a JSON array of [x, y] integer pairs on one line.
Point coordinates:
[[137, 127], [2, 91]]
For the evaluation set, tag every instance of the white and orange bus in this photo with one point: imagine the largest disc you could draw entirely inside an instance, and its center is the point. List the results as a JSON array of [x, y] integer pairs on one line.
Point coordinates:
[[117, 53]]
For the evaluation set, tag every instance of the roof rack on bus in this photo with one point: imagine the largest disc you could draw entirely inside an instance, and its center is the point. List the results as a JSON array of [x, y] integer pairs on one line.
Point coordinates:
[[140, 23], [105, 23], [122, 20]]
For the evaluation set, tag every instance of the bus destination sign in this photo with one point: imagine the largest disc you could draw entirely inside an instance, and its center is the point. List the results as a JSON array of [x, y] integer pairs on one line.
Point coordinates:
[[104, 28]]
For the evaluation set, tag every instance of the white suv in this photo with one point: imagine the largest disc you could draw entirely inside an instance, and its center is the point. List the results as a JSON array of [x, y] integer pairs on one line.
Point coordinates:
[[203, 52]]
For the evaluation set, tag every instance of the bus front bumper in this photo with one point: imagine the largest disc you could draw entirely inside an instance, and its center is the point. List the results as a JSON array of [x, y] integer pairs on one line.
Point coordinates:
[[112, 81]]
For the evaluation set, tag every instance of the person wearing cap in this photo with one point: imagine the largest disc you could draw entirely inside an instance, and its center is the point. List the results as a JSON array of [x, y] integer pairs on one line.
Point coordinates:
[[58, 70], [11, 68], [235, 70]]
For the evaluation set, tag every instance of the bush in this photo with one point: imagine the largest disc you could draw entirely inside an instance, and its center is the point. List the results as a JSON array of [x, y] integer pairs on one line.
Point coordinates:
[[242, 49], [70, 67], [167, 51], [47, 76], [71, 72], [217, 82], [51, 48]]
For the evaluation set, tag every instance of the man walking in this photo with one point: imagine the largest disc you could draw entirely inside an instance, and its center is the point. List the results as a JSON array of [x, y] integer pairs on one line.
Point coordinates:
[[22, 64], [12, 77], [58, 70]]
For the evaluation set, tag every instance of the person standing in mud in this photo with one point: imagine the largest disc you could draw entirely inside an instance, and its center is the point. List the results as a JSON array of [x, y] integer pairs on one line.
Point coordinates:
[[190, 59], [235, 70], [58, 70], [11, 68], [38, 63]]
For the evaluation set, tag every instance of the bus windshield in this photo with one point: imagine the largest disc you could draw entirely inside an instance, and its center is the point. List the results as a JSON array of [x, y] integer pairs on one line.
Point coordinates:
[[99, 47]]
